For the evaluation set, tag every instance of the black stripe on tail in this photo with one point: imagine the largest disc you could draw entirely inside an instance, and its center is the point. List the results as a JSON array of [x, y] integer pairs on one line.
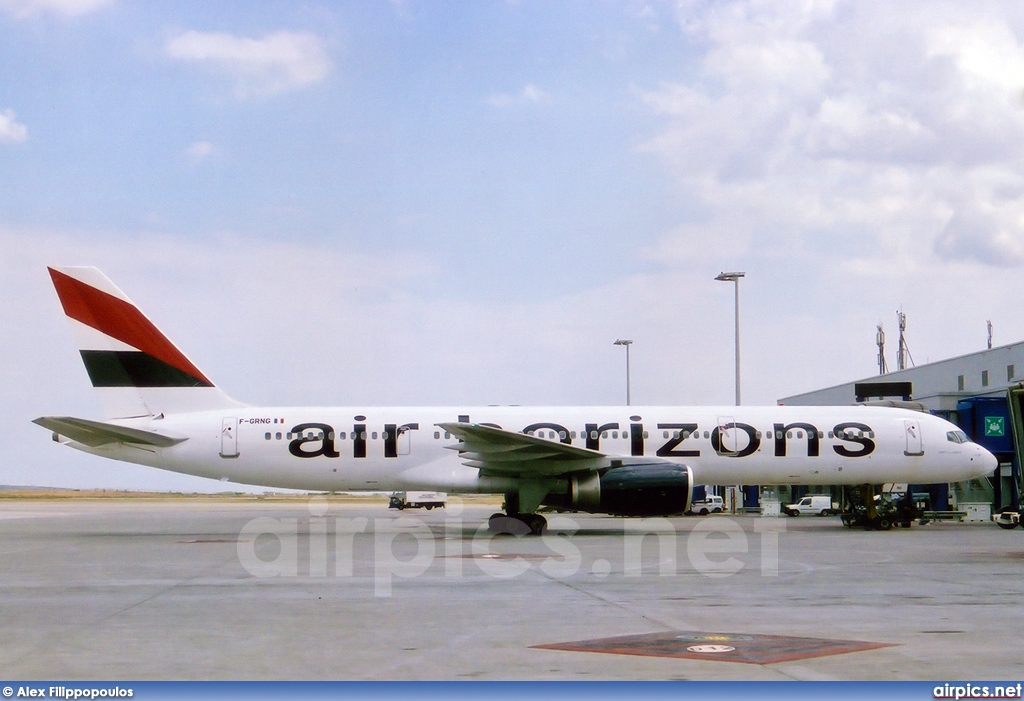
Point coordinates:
[[135, 369]]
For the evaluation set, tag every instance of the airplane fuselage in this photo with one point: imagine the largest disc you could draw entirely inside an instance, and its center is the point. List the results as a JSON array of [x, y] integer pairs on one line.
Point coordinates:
[[402, 448]]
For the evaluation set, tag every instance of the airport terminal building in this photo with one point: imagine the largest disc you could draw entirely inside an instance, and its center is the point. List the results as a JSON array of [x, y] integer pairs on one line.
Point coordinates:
[[939, 385], [981, 392]]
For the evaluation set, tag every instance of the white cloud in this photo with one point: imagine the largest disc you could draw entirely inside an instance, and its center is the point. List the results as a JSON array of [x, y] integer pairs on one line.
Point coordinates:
[[843, 129], [276, 63], [199, 151], [529, 94], [65, 8], [11, 132], [983, 232]]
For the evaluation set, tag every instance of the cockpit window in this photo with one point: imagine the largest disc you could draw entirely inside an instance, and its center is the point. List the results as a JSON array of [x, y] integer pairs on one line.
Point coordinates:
[[957, 437]]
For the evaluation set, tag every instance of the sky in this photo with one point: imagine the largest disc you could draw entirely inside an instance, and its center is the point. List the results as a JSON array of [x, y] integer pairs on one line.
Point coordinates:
[[463, 203]]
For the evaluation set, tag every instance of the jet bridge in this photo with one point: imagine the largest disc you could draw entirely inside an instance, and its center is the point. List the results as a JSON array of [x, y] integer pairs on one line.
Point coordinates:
[[1012, 515]]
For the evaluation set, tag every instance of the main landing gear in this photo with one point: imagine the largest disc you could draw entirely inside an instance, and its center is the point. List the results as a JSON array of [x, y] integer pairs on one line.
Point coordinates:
[[515, 523]]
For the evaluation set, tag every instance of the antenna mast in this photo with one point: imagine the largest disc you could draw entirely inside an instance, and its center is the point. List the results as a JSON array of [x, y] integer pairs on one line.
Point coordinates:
[[903, 354], [989, 322], [883, 367]]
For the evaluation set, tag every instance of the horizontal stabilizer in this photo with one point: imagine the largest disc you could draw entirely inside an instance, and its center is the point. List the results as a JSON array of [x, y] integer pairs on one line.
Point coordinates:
[[97, 433]]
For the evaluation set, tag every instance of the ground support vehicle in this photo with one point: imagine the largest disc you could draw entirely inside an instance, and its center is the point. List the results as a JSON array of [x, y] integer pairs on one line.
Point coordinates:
[[417, 500]]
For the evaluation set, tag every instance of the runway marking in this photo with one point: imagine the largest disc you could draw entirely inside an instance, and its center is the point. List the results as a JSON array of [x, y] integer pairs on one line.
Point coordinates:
[[11, 515], [720, 647]]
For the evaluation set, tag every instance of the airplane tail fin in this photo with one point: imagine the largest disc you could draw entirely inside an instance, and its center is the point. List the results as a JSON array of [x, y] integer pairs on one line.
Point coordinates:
[[134, 368]]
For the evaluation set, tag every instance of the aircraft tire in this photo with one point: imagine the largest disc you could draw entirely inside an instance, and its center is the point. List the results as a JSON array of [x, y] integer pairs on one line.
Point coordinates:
[[536, 523], [884, 524], [503, 524], [1006, 526]]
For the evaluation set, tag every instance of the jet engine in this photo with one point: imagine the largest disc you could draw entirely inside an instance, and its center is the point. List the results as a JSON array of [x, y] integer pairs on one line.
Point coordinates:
[[645, 489]]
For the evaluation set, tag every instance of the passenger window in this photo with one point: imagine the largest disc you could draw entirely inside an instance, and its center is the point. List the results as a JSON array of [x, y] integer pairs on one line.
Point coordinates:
[[342, 435], [604, 434], [664, 434], [278, 436], [789, 434], [646, 434], [615, 434], [757, 435], [593, 435], [374, 434], [268, 436], [437, 434], [707, 434], [561, 435], [799, 434]]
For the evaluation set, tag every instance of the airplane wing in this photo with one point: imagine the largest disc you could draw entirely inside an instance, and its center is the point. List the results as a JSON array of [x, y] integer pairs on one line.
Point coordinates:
[[97, 433], [499, 452]]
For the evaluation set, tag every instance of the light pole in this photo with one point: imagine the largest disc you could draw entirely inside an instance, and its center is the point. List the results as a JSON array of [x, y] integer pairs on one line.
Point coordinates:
[[735, 278], [627, 344]]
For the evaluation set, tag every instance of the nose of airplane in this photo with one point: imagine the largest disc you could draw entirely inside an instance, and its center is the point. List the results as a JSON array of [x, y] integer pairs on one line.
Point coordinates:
[[987, 460]]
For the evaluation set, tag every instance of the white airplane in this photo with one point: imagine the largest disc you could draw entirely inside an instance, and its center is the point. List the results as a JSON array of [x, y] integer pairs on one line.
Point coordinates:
[[162, 411]]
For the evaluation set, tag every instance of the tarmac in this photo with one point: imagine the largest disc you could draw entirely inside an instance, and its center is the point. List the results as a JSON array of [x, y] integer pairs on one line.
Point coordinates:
[[313, 589]]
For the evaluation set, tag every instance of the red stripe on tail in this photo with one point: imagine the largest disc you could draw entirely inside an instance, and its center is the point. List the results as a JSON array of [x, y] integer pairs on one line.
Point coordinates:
[[118, 319]]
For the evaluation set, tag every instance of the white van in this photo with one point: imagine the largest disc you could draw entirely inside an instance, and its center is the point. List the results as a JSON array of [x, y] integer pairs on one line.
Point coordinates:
[[819, 505], [709, 505]]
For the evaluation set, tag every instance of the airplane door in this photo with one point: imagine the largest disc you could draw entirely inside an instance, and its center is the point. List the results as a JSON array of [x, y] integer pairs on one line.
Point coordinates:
[[404, 441], [912, 430], [229, 438], [727, 441]]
